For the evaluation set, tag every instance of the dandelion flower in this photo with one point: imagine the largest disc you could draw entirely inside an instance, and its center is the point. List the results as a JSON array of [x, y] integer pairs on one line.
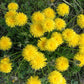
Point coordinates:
[[60, 24], [48, 25], [10, 21], [68, 34], [5, 43], [5, 65], [51, 45], [41, 43], [74, 42], [56, 78], [5, 60], [21, 19], [80, 20], [36, 30], [10, 14], [33, 80], [38, 17], [62, 63], [38, 62], [49, 13], [63, 9], [79, 57], [5, 69], [29, 52], [58, 37], [81, 40], [12, 6]]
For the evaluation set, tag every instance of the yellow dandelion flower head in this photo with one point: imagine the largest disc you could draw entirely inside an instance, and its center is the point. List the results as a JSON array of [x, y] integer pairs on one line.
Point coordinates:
[[48, 25], [60, 24], [74, 41], [21, 19], [63, 9], [39, 61], [55, 77], [51, 45], [33, 80], [49, 13], [58, 37], [5, 60], [81, 39], [10, 21], [5, 43], [41, 43], [38, 17], [29, 52], [80, 20], [81, 49], [36, 30], [5, 69], [10, 14], [68, 34], [62, 63], [79, 57], [13, 6]]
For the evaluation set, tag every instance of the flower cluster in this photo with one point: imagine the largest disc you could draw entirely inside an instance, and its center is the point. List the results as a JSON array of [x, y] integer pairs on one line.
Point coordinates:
[[37, 59], [14, 18], [5, 65], [51, 32]]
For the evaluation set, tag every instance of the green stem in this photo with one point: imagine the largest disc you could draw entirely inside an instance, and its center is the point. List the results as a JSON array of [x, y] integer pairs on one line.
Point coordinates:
[[71, 20], [73, 26], [48, 69], [69, 48], [19, 67], [79, 6], [43, 72], [16, 57]]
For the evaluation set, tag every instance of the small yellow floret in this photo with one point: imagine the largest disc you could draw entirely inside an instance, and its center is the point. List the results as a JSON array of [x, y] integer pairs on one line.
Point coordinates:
[[79, 57], [29, 52], [58, 37], [5, 65], [48, 25], [5, 60], [63, 9], [49, 13], [56, 78], [62, 63], [51, 44], [75, 41], [10, 14], [38, 17], [36, 30], [12, 6], [11, 22], [33, 80], [5, 43], [21, 19], [41, 43], [80, 20], [68, 34], [60, 24], [39, 61]]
